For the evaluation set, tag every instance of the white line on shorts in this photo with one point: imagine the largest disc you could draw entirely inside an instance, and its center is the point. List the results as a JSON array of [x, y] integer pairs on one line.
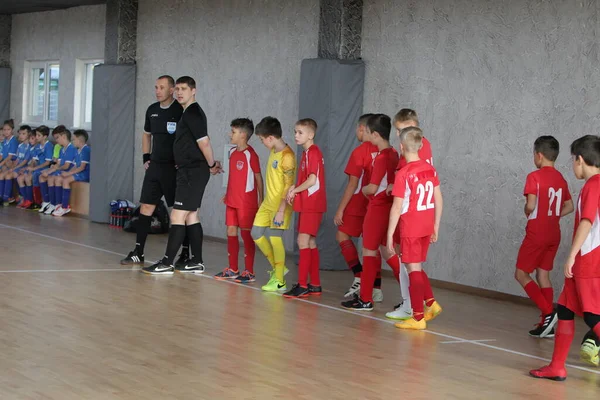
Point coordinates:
[[452, 338]]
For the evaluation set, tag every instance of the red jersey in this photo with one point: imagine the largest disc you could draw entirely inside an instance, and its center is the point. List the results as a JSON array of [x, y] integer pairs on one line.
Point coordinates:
[[424, 154], [313, 199], [382, 175], [241, 184], [415, 183], [587, 261], [359, 165], [551, 191]]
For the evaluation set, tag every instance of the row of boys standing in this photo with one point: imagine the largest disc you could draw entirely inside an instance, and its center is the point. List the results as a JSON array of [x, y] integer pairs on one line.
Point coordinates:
[[393, 201], [44, 172]]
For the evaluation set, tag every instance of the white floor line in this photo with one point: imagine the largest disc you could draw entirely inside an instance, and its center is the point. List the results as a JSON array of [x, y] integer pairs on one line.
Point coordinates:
[[70, 270], [468, 341], [453, 338]]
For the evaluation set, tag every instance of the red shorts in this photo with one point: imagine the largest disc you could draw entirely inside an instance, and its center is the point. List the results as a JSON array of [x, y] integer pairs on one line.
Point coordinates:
[[414, 250], [309, 222], [352, 226], [375, 227], [581, 295], [239, 217], [533, 255]]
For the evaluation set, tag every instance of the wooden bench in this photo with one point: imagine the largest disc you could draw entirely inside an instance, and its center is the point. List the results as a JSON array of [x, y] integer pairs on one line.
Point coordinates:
[[80, 198]]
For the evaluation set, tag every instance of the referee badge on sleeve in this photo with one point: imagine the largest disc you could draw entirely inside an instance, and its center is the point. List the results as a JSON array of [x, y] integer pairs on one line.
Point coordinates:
[[171, 127]]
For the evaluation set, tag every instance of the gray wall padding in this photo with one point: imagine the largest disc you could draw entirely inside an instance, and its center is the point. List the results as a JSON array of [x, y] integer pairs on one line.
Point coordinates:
[[331, 93], [4, 94], [111, 163]]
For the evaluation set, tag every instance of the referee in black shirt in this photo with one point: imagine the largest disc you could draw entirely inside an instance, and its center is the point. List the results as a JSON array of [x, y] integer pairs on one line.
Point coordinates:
[[160, 178], [195, 162]]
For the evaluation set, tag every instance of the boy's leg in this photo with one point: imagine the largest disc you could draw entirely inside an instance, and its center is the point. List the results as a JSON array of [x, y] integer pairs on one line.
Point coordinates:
[[347, 247], [249, 250], [530, 256], [44, 188], [262, 221], [304, 264], [543, 279], [66, 194], [276, 241], [233, 247], [51, 190], [369, 274], [8, 186], [315, 265], [416, 295]]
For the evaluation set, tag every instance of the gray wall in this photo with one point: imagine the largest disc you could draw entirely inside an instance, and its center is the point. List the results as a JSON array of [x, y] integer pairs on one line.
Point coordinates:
[[65, 35], [487, 78], [245, 57]]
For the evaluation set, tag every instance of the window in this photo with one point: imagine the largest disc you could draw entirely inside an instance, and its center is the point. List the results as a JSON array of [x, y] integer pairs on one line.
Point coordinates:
[[84, 87], [41, 92]]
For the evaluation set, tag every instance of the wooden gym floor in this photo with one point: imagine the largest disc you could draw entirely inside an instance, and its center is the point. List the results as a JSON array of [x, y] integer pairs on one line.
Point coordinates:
[[77, 325]]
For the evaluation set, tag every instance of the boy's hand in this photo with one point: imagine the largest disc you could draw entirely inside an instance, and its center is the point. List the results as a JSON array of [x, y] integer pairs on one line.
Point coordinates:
[[390, 244], [389, 189], [65, 174], [434, 237], [337, 218], [290, 194], [278, 220], [223, 199], [363, 191], [569, 267]]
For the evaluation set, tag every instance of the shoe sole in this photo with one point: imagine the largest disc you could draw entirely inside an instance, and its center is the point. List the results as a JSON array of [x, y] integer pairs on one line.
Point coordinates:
[[588, 358], [302, 296], [131, 263], [357, 309], [409, 328], [552, 378], [221, 278], [244, 282], [190, 271], [158, 273], [315, 293], [399, 318]]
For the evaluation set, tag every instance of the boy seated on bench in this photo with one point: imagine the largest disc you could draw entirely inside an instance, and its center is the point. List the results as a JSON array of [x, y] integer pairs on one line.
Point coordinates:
[[80, 173]]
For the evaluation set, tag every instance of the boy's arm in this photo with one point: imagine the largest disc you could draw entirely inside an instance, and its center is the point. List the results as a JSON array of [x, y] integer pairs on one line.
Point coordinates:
[[351, 187], [370, 189], [568, 208], [310, 181], [75, 170], [259, 187], [583, 230], [530, 204], [288, 164], [395, 212], [43, 165], [438, 203]]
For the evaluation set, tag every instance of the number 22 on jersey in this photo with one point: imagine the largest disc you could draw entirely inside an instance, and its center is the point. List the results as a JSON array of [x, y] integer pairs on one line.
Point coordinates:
[[425, 193]]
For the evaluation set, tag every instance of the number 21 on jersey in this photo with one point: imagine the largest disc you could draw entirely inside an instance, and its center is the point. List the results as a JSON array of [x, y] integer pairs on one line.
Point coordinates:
[[425, 193], [555, 203]]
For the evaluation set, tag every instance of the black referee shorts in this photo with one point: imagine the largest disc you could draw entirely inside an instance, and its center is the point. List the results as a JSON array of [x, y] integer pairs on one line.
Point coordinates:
[[191, 183], [159, 181]]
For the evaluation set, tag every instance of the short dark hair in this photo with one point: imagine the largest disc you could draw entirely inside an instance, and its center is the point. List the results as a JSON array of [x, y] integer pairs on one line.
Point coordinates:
[[169, 79], [9, 122], [245, 125], [81, 133], [269, 126], [548, 146], [43, 130], [62, 130], [188, 80], [309, 123], [588, 147], [406, 114], [25, 128], [380, 123], [362, 120]]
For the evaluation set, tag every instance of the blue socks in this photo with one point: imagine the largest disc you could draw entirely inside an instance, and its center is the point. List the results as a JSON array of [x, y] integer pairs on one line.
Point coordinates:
[[45, 194], [66, 196]]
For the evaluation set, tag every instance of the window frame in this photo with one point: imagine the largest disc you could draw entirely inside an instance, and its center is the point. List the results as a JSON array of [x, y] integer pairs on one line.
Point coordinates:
[[81, 93], [29, 95]]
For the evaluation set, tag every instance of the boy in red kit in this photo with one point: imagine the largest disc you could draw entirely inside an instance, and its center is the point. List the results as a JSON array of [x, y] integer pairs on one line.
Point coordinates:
[[548, 199], [406, 118], [581, 292], [379, 127], [244, 194], [351, 211], [310, 201], [418, 208]]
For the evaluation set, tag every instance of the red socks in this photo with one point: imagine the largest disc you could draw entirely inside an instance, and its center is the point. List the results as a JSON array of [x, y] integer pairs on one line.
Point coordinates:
[[315, 263], [350, 255], [535, 293], [427, 291], [249, 250], [548, 294], [394, 263], [233, 248], [368, 278], [304, 267], [37, 195], [416, 294], [562, 342]]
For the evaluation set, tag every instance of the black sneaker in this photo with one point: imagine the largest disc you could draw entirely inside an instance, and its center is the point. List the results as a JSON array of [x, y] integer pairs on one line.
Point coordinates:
[[296, 292], [357, 304], [314, 290], [550, 334], [133, 258], [545, 327], [158, 269], [183, 260], [191, 267]]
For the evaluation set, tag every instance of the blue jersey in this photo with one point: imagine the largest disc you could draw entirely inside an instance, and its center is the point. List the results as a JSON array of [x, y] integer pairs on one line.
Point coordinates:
[[2, 148], [47, 153], [83, 157], [23, 152], [10, 148], [36, 151], [67, 155]]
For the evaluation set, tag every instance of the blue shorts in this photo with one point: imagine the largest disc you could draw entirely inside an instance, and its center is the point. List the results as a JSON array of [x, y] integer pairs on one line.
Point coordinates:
[[17, 170], [36, 177], [82, 177]]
